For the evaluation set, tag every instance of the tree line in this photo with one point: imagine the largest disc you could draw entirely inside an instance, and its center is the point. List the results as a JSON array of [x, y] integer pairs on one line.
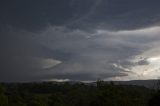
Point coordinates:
[[76, 94]]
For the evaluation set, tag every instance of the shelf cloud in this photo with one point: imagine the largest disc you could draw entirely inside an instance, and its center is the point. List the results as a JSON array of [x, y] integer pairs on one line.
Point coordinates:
[[80, 40]]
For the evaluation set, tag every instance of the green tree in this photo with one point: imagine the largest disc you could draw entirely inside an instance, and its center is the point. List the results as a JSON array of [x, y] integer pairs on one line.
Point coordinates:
[[3, 97], [38, 100]]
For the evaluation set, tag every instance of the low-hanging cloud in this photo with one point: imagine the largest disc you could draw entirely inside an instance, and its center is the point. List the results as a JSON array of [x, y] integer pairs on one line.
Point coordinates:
[[105, 39], [59, 52]]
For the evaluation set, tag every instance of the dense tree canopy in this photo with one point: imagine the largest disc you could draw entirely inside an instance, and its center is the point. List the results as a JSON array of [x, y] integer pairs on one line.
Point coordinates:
[[75, 94]]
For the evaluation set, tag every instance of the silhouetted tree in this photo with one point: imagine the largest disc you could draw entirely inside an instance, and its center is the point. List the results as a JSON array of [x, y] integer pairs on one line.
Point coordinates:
[[155, 100], [3, 97]]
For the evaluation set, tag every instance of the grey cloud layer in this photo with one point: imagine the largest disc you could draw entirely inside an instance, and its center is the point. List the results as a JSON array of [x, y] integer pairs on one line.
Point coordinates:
[[85, 14], [61, 40], [82, 54]]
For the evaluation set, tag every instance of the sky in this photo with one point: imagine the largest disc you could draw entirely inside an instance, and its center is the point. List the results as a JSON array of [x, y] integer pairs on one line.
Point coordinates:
[[79, 40]]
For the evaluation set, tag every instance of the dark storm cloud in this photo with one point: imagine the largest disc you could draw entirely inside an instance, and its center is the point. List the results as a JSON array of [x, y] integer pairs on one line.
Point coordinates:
[[33, 14], [128, 64], [23, 52], [91, 56], [112, 14], [73, 39], [143, 62], [16, 48]]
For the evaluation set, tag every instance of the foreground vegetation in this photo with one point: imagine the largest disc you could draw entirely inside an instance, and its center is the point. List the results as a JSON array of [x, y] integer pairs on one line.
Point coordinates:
[[75, 94]]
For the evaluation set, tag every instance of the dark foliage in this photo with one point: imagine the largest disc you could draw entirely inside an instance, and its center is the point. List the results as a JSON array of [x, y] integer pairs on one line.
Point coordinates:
[[155, 100], [76, 94]]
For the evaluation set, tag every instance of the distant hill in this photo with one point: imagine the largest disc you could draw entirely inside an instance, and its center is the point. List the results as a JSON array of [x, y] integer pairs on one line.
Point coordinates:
[[146, 83], [153, 84]]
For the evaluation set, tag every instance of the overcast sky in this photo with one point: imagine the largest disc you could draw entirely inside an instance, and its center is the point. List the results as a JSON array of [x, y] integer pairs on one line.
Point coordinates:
[[81, 40]]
